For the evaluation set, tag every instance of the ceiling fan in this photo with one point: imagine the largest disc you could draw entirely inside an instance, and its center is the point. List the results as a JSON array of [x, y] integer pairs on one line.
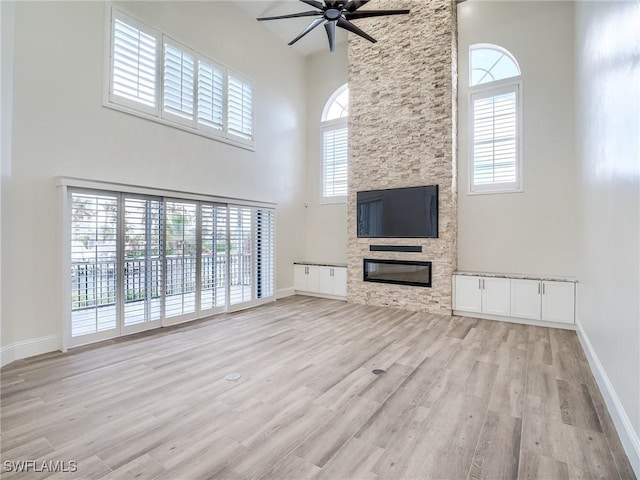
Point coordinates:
[[336, 13]]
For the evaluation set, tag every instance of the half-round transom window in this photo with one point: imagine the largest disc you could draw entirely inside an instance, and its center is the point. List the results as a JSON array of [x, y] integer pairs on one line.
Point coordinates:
[[490, 63], [338, 105]]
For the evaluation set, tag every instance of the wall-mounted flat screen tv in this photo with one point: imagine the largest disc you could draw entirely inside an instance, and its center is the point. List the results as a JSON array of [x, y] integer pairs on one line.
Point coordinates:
[[398, 213]]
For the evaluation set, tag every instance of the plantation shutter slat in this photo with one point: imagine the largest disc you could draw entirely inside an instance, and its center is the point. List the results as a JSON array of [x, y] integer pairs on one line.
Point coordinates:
[[133, 73], [334, 152], [495, 139]]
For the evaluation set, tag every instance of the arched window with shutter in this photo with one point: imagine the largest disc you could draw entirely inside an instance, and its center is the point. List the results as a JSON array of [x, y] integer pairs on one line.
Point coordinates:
[[334, 147], [496, 125]]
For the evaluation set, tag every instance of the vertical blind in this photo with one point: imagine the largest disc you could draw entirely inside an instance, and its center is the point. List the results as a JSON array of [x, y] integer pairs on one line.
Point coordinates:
[[133, 63], [240, 107], [178, 81], [495, 138], [334, 162]]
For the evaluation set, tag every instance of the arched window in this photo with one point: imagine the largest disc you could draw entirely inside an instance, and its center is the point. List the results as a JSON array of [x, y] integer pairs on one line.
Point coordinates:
[[334, 146], [495, 91]]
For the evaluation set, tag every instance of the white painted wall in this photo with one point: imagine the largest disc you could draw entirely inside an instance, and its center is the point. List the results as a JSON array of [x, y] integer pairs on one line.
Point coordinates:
[[534, 232], [7, 9], [608, 133], [61, 128], [326, 224]]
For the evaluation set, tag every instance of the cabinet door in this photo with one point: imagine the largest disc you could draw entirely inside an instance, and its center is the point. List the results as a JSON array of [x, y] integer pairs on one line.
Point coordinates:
[[558, 300], [526, 298], [340, 281], [300, 278], [325, 280], [496, 296], [313, 278], [468, 297]]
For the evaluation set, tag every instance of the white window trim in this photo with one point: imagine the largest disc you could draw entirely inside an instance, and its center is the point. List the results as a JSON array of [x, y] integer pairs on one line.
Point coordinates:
[[489, 90], [326, 126], [138, 110]]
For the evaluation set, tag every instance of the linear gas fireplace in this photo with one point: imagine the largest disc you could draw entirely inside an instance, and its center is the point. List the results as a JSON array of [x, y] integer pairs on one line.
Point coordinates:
[[399, 272]]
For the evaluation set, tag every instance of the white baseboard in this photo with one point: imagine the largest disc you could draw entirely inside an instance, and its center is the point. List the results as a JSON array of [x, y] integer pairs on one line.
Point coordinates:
[[28, 348], [628, 436], [285, 292]]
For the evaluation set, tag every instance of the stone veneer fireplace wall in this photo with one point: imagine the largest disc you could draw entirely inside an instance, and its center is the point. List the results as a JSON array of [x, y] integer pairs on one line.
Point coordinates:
[[402, 127]]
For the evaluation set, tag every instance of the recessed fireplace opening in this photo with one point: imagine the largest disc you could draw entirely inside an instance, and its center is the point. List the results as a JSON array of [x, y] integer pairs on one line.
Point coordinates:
[[398, 272]]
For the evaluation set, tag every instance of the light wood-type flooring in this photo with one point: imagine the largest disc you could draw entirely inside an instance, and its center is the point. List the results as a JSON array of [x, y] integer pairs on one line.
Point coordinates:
[[461, 399]]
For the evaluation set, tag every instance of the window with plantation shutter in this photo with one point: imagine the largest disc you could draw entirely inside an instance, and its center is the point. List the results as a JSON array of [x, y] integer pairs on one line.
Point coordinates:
[[178, 83], [210, 95], [133, 78], [334, 147], [334, 161], [154, 77], [495, 112], [495, 139], [240, 108]]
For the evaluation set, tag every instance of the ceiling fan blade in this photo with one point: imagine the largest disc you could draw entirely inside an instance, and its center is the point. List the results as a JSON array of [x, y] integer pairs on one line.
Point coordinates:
[[353, 5], [292, 15], [314, 3], [352, 28], [374, 13], [311, 26], [330, 27]]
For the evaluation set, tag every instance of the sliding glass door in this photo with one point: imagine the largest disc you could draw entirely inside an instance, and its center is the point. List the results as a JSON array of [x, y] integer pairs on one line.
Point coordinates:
[[143, 263], [180, 261], [139, 262], [94, 268], [213, 258]]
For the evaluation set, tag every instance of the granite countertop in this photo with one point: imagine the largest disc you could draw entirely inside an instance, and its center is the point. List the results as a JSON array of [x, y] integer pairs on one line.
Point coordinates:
[[519, 276], [338, 265]]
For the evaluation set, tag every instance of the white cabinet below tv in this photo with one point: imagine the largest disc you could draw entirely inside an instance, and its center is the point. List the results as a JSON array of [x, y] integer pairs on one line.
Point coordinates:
[[503, 297], [324, 280]]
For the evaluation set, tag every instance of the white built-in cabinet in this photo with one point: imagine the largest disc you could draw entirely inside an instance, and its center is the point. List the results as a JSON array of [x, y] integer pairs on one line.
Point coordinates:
[[519, 298], [482, 294], [323, 280]]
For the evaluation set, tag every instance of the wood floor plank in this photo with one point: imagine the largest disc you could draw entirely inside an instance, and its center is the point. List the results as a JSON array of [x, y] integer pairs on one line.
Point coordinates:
[[460, 399], [497, 454], [536, 467]]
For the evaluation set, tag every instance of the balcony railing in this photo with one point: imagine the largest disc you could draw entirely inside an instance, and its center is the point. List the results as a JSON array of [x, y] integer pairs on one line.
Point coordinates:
[[94, 284]]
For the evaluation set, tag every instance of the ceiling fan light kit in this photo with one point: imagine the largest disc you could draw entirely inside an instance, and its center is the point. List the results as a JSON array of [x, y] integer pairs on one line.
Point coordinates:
[[336, 13]]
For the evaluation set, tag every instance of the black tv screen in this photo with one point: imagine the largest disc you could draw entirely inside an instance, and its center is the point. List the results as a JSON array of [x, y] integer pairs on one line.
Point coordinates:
[[398, 213]]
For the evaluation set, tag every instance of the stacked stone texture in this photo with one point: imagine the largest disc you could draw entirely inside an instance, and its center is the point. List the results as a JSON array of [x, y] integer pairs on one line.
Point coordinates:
[[401, 134]]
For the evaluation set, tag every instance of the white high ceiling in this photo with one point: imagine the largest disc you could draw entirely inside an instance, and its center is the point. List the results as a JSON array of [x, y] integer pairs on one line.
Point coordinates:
[[288, 29]]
